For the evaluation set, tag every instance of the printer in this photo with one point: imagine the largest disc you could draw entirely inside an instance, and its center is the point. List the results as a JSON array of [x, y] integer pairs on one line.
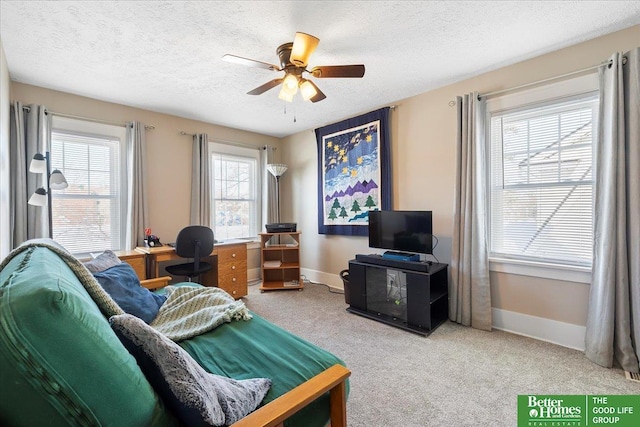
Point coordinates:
[[281, 227]]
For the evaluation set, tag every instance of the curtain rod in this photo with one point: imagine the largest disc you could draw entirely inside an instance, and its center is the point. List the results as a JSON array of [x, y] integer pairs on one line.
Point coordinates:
[[560, 77], [222, 141], [89, 119]]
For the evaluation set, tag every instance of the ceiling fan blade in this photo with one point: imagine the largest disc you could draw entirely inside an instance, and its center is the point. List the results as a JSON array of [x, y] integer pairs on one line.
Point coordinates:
[[265, 87], [303, 46], [319, 96], [338, 71], [249, 62]]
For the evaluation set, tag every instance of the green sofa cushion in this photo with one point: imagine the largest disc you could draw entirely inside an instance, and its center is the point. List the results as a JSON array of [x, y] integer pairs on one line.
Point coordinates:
[[59, 354], [258, 348]]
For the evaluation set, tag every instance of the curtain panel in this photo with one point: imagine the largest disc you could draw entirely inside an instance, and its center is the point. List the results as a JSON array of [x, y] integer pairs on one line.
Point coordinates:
[[137, 205], [613, 316], [469, 290], [29, 131], [200, 181]]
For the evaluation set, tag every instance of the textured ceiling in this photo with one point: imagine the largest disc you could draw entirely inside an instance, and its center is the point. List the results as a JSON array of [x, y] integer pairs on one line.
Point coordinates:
[[165, 56]]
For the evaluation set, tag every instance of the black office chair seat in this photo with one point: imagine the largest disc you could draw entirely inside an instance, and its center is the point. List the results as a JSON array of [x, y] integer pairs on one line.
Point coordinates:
[[189, 269], [196, 242]]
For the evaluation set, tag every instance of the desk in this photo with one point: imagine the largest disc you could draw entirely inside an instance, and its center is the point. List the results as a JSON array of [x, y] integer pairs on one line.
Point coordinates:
[[229, 261], [136, 260]]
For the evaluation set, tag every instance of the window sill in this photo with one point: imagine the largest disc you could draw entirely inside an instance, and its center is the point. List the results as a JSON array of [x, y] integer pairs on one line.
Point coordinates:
[[543, 270]]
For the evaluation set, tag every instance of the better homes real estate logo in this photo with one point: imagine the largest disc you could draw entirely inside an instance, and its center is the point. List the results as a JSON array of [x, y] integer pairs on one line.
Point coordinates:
[[578, 410], [552, 410]]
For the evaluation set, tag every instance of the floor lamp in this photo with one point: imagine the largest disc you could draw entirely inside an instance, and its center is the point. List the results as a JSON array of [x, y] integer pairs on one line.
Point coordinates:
[[55, 181], [277, 170]]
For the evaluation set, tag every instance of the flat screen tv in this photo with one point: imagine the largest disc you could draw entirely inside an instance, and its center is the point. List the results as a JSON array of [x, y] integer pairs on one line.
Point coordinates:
[[402, 231]]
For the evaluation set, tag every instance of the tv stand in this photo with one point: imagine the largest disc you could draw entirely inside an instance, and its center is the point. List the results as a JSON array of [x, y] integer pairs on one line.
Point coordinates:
[[410, 295]]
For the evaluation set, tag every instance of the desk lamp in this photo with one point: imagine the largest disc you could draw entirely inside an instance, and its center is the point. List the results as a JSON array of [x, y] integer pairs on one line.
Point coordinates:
[[55, 181]]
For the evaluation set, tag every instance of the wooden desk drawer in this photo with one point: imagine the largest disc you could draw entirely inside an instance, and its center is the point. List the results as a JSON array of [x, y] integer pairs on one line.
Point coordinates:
[[234, 283], [232, 269], [230, 253]]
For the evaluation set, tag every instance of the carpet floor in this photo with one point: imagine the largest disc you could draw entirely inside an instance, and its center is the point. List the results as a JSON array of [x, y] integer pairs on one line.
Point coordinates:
[[457, 376]]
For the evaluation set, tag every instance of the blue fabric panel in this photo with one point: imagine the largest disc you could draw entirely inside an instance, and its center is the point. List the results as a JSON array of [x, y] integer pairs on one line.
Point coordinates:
[[121, 282], [385, 168]]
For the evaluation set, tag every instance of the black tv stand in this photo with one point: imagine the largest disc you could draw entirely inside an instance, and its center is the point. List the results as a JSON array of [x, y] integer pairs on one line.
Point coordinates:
[[406, 294]]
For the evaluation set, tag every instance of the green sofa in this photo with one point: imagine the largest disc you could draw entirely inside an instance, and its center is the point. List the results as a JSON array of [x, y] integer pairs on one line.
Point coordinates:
[[62, 364]]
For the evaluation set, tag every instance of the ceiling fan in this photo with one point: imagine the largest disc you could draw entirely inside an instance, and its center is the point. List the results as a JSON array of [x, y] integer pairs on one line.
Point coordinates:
[[294, 58]]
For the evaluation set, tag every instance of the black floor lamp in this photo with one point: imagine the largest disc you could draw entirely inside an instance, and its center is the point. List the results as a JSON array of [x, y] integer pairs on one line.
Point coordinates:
[[55, 181], [277, 170]]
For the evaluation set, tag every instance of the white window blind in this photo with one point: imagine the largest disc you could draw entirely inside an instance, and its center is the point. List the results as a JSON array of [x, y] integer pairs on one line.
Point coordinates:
[[541, 181], [235, 196], [87, 216]]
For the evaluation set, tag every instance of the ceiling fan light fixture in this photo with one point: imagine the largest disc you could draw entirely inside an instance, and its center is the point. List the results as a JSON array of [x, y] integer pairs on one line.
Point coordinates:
[[291, 83], [303, 46], [307, 89], [285, 94]]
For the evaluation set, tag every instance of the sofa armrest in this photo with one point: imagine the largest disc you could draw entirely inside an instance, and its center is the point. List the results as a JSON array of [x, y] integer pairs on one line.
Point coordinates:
[[158, 282], [277, 411]]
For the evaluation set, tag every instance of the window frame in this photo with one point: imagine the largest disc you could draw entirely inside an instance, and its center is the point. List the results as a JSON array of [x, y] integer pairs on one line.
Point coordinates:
[[80, 127], [240, 152], [547, 94]]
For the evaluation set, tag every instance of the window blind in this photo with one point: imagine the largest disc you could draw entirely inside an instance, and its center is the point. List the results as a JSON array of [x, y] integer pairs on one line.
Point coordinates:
[[87, 215], [541, 182], [234, 196]]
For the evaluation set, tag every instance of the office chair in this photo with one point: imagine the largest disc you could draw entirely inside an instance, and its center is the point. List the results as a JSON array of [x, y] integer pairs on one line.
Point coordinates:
[[194, 241]]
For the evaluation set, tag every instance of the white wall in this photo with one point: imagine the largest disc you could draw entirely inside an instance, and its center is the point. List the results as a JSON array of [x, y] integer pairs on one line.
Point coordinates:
[[423, 140]]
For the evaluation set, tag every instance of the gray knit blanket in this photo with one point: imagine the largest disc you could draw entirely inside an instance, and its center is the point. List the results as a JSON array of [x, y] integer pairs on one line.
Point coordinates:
[[190, 311]]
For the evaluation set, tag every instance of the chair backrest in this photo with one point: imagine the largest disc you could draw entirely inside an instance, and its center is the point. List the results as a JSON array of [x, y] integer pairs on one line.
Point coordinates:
[[194, 241]]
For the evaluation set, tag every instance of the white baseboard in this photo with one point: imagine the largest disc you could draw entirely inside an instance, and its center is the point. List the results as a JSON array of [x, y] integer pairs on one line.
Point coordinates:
[[553, 331], [253, 274], [331, 280]]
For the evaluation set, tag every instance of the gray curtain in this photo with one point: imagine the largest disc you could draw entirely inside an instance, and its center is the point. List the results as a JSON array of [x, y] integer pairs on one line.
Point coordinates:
[[269, 197], [29, 134], [469, 290], [200, 182], [137, 207], [613, 317]]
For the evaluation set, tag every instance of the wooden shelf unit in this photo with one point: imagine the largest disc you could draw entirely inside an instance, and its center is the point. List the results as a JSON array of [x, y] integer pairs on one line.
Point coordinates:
[[283, 251]]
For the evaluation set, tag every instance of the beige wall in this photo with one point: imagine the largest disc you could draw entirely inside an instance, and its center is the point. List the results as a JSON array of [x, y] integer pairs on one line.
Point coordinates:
[[423, 164], [5, 223], [168, 152], [423, 169]]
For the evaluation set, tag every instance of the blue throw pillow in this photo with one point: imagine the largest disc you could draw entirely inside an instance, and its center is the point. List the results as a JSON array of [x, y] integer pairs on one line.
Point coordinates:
[[122, 284]]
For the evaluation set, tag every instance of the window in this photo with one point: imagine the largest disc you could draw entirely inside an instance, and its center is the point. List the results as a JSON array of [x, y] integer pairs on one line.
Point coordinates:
[[89, 215], [541, 180], [236, 206]]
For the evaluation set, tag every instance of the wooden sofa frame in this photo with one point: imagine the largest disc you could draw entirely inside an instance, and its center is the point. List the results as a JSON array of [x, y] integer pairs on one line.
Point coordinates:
[[274, 413]]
